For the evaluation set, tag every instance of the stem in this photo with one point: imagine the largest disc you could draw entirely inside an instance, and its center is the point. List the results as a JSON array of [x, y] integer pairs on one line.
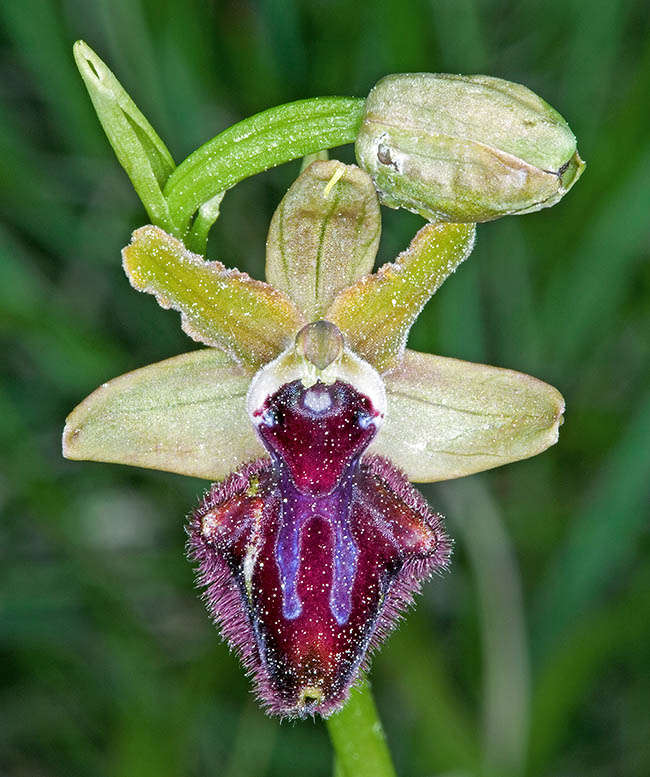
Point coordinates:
[[337, 771], [358, 738], [318, 156], [197, 239], [258, 143]]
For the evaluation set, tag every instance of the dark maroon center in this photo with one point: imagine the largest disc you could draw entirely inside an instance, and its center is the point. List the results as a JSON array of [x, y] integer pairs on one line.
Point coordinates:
[[305, 660], [316, 436], [317, 432], [315, 541]]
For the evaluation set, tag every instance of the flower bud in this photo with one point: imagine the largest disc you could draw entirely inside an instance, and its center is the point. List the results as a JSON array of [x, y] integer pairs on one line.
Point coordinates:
[[465, 148]]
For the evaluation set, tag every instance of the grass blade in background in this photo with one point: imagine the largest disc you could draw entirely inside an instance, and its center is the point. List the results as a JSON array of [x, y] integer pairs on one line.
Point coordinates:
[[579, 663], [602, 537], [506, 703]]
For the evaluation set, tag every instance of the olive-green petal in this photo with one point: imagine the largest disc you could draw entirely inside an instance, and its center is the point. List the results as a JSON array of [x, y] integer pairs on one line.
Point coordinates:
[[324, 235], [184, 415], [250, 320], [447, 418], [376, 313]]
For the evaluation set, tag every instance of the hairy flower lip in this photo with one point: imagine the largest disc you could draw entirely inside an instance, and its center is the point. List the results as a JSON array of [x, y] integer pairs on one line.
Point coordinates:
[[296, 683]]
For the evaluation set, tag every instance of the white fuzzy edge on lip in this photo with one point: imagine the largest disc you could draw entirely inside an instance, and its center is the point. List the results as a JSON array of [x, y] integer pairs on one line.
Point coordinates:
[[289, 366]]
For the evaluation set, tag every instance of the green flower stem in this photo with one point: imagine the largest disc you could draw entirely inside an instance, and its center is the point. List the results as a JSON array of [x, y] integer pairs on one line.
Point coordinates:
[[258, 143], [358, 738], [318, 156]]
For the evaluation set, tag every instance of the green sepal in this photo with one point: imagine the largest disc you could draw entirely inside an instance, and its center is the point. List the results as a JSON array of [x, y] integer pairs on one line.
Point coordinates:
[[184, 415], [376, 313], [139, 149], [323, 236], [250, 320], [448, 418]]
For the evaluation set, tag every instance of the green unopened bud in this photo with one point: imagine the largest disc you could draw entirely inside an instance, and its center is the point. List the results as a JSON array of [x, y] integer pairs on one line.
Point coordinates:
[[140, 151], [465, 148]]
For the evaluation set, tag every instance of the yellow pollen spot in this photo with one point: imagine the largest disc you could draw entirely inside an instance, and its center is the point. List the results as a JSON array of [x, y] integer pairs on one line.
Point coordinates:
[[310, 694]]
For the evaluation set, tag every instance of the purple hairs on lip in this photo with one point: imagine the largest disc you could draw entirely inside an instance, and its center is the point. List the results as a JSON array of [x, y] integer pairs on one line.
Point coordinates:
[[309, 557]]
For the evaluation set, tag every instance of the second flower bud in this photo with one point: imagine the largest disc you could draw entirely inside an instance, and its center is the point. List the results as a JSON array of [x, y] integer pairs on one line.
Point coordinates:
[[465, 148]]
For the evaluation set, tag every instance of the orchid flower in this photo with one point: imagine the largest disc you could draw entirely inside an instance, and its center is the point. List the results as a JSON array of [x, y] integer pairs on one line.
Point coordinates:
[[311, 417]]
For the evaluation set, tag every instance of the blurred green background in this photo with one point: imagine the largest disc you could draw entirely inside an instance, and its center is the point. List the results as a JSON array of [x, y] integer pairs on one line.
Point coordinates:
[[532, 656]]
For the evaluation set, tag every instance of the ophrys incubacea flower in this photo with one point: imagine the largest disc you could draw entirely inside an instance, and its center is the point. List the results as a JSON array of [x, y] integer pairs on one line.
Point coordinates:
[[312, 416]]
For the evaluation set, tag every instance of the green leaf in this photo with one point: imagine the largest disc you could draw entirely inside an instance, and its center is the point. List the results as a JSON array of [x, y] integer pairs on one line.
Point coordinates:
[[138, 148], [184, 415], [448, 418], [258, 143], [324, 235], [375, 314], [250, 320]]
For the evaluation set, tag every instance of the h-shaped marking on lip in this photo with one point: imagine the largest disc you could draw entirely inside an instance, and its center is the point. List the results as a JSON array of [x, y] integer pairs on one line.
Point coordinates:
[[297, 510]]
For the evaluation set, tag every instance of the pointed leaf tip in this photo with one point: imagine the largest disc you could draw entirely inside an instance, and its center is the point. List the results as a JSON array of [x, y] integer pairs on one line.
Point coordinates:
[[324, 235], [377, 312], [139, 149], [224, 308]]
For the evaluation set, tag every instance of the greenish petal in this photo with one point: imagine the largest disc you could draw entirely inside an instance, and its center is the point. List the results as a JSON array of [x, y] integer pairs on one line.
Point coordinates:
[[137, 146], [448, 418], [184, 415], [324, 235], [376, 313], [248, 319]]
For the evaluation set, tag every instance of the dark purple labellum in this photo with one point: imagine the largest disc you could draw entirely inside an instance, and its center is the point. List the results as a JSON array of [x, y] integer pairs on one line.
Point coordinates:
[[309, 557]]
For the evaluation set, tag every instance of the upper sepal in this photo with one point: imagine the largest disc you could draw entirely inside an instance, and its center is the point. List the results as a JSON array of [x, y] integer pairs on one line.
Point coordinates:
[[448, 418], [184, 415], [324, 235], [224, 308]]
